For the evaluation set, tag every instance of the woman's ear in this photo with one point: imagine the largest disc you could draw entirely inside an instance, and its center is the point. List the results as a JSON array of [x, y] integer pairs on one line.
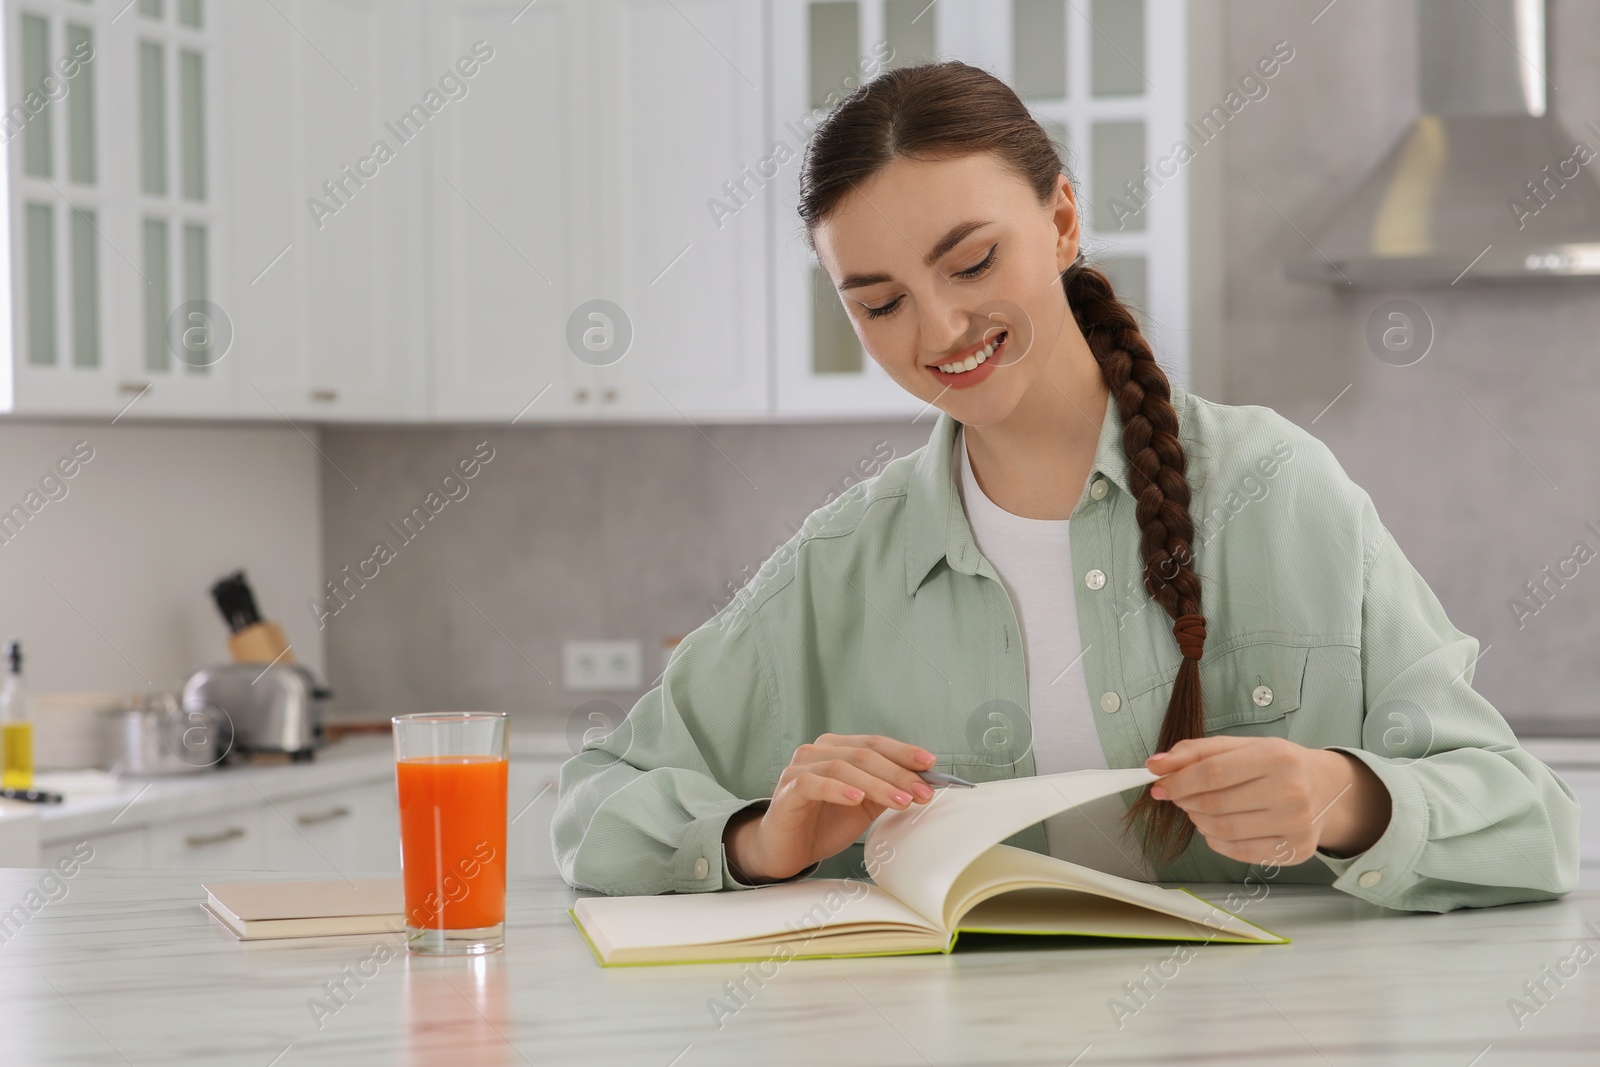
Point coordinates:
[[1064, 212]]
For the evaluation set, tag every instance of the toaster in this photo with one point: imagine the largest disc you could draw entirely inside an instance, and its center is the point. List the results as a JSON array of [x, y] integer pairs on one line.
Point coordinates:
[[276, 708]]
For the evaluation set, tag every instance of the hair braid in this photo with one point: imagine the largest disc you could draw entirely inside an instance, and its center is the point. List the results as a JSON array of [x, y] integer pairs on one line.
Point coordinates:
[[1156, 474]]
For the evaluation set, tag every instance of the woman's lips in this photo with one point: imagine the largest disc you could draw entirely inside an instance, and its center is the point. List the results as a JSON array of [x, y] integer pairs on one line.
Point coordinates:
[[969, 378]]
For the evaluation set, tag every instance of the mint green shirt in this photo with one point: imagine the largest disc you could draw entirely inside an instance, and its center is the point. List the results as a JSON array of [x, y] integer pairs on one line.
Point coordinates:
[[880, 616]]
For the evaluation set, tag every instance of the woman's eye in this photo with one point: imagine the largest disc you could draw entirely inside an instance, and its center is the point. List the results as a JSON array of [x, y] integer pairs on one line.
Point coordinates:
[[974, 271], [978, 269]]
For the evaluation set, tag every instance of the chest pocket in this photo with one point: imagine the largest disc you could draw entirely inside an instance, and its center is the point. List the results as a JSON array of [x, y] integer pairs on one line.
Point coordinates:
[[1253, 684]]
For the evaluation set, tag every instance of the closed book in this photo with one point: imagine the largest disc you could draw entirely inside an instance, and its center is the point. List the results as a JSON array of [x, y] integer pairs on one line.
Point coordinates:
[[257, 910]]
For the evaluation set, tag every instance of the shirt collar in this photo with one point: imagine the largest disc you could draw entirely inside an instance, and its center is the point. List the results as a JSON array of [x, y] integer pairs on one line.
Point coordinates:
[[937, 525]]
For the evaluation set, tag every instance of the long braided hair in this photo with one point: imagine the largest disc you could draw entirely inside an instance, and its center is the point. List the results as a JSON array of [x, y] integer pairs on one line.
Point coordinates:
[[950, 109]]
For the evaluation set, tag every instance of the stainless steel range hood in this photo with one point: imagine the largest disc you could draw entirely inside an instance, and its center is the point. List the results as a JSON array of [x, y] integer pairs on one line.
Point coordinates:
[[1484, 179]]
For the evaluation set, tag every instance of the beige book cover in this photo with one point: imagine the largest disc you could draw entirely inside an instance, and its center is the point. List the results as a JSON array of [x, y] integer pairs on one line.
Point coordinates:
[[253, 910]]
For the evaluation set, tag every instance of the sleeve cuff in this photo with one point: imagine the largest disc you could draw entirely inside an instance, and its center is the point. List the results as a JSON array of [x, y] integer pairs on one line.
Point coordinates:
[[1386, 871], [702, 860]]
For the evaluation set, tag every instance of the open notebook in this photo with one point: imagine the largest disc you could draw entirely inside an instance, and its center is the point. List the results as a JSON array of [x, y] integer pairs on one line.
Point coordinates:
[[938, 870]]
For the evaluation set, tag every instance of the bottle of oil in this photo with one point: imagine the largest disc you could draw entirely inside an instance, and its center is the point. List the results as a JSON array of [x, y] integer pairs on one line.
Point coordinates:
[[16, 724]]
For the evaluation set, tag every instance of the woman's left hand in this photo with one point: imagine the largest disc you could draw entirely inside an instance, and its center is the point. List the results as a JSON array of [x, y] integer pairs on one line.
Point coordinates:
[[1249, 796]]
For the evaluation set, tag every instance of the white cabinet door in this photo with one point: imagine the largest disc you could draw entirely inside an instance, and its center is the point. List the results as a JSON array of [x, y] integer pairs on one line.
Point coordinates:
[[118, 219], [329, 115], [232, 841], [1586, 785], [532, 803], [820, 53], [347, 832], [120, 850], [681, 219], [510, 196]]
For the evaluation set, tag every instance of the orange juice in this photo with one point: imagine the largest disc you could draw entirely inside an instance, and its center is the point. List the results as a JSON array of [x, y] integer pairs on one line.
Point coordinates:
[[453, 840]]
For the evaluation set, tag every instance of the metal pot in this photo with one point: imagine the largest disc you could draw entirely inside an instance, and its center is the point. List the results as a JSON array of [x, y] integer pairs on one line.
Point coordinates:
[[158, 737]]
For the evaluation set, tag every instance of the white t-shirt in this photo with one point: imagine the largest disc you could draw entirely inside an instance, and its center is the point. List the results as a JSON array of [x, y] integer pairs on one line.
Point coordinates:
[[1034, 560]]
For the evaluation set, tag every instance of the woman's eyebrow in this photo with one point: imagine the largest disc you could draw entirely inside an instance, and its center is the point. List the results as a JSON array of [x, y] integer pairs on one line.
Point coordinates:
[[957, 234]]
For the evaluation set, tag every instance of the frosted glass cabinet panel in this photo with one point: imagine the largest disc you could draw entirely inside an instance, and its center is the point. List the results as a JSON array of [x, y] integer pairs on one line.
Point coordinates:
[[821, 51]]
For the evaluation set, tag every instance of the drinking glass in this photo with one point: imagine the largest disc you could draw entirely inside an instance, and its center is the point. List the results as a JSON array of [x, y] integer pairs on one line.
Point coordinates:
[[451, 773]]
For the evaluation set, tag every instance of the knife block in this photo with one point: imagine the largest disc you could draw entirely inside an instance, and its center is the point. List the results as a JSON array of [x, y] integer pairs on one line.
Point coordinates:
[[260, 642]]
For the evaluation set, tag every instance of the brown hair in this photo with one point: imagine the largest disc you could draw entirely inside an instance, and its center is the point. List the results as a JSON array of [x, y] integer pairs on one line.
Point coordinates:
[[947, 110]]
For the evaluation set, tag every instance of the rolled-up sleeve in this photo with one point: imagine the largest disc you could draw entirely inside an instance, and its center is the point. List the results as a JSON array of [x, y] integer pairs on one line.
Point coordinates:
[[642, 810], [1475, 819]]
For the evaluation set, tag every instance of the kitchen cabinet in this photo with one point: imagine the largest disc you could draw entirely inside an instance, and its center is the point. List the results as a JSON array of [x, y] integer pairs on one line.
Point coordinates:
[[1585, 783], [579, 253], [531, 805], [327, 165], [486, 210], [116, 214], [680, 232], [123, 848], [348, 831], [510, 196], [231, 841]]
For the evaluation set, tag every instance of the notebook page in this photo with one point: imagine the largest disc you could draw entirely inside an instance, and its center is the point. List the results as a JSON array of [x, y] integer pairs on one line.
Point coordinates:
[[919, 853]]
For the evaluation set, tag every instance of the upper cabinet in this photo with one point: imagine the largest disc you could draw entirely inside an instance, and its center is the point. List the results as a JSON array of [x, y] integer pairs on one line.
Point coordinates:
[[328, 121], [509, 193], [681, 248], [116, 213], [491, 210]]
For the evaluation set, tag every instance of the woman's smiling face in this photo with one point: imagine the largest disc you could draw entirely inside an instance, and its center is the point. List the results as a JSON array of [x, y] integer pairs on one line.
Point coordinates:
[[950, 271]]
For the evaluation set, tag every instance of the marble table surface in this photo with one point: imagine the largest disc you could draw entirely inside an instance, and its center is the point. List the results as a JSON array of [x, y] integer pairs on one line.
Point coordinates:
[[124, 967]]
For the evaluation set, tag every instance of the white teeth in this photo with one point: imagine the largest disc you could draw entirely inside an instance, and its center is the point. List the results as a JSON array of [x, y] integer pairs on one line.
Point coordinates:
[[971, 361]]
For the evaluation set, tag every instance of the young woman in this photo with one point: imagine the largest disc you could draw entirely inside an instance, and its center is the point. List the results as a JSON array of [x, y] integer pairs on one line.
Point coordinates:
[[1086, 566]]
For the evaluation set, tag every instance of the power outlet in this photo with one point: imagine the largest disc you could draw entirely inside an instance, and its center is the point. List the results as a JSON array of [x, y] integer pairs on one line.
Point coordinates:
[[601, 666]]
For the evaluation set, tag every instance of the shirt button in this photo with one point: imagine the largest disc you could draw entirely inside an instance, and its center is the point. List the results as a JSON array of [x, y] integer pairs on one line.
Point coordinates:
[[1262, 695], [1095, 579], [701, 868], [1097, 489], [1369, 879], [1110, 701]]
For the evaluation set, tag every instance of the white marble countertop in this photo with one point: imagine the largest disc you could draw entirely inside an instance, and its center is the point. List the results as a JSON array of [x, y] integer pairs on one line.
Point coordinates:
[[126, 968]]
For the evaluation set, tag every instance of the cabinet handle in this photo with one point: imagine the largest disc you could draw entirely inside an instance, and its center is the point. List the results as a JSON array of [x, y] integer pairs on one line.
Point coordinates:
[[609, 395], [324, 816], [581, 396], [202, 840], [126, 388], [324, 396]]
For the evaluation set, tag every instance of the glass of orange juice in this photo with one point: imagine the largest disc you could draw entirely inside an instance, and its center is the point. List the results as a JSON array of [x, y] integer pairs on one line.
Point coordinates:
[[451, 773]]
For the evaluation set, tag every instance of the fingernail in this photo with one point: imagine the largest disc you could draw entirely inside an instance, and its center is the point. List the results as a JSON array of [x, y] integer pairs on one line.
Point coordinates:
[[854, 794], [924, 756], [900, 798], [1159, 755], [1157, 792], [923, 791]]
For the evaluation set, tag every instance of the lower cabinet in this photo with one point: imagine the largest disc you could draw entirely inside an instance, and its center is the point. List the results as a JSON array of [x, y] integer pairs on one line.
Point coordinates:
[[348, 832], [1585, 783], [230, 841], [531, 804], [122, 848], [344, 832]]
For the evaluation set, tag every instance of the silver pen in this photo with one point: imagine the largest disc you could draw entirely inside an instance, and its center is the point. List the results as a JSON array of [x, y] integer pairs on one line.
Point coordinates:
[[939, 778]]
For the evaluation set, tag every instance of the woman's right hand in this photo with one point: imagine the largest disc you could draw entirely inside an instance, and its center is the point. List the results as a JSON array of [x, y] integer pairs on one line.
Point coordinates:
[[829, 793]]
